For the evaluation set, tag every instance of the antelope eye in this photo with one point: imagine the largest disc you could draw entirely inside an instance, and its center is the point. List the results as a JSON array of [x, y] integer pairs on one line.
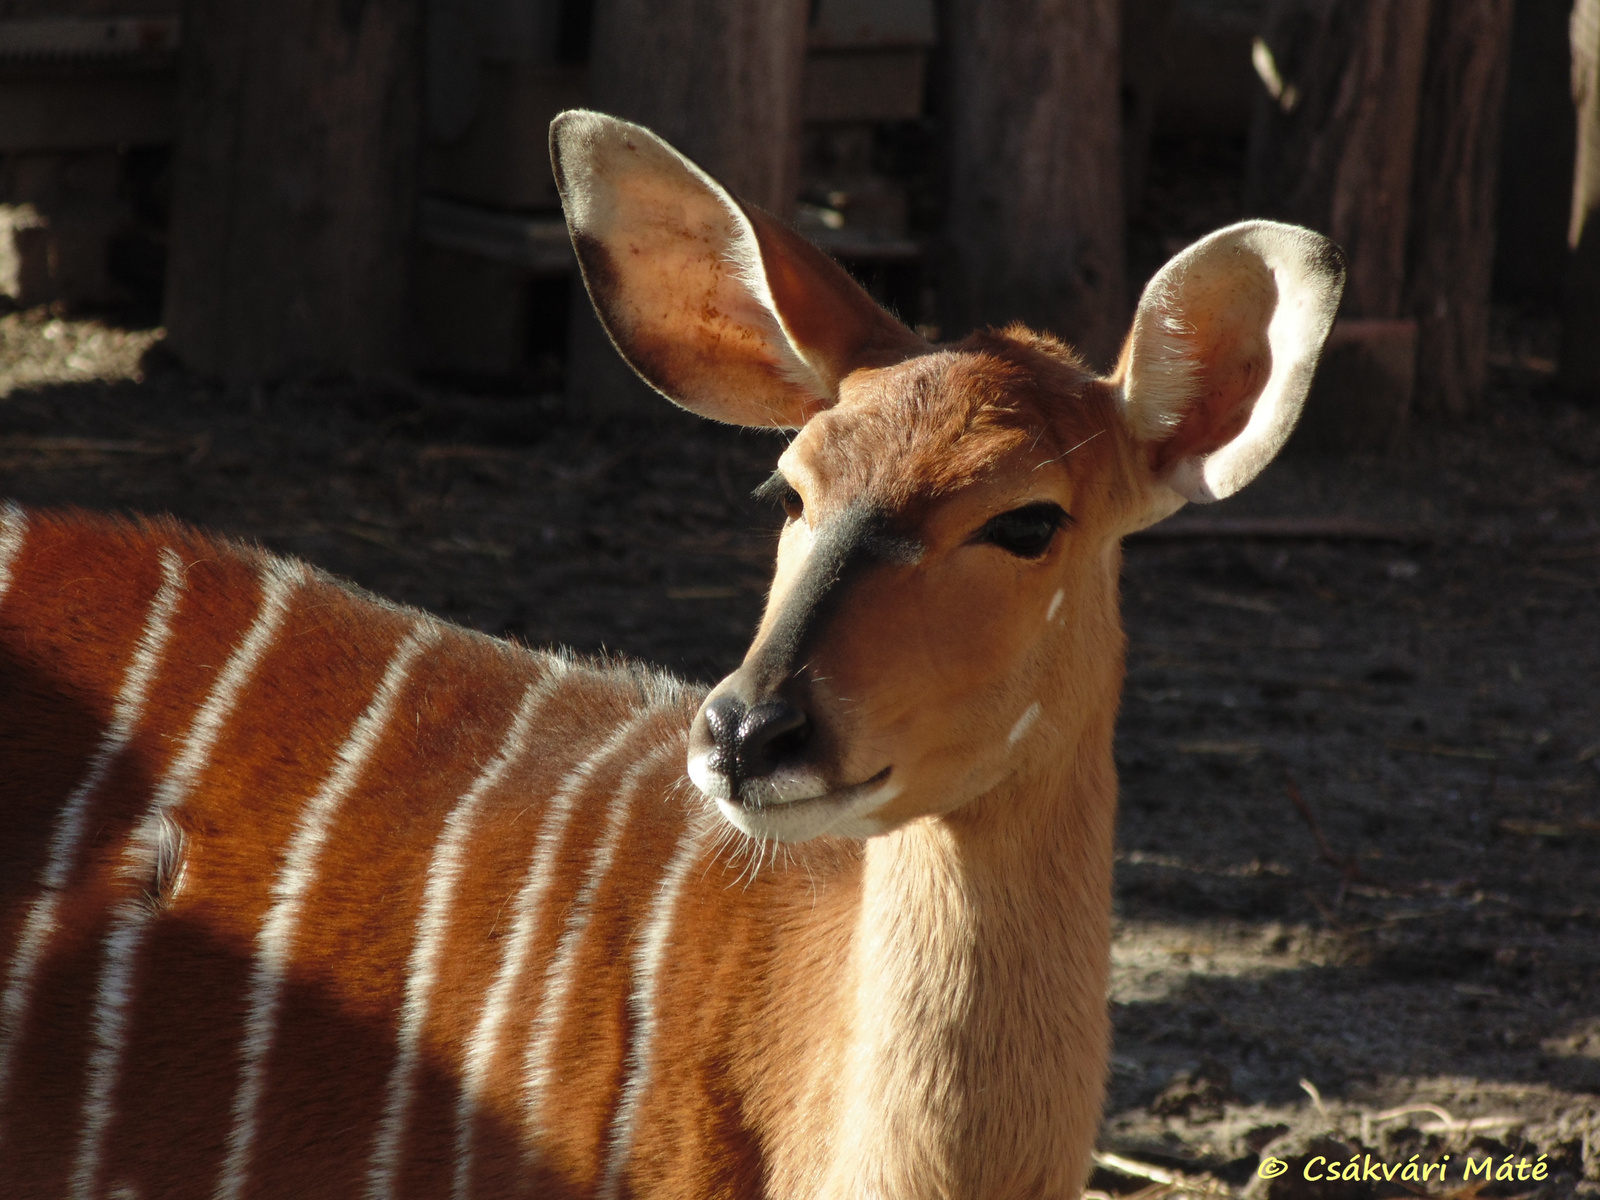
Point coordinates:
[[777, 490], [1026, 531]]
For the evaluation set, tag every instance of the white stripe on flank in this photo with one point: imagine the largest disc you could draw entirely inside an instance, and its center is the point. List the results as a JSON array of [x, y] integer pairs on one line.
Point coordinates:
[[275, 941], [279, 579], [647, 957], [13, 530], [443, 874], [558, 976], [485, 1039], [65, 841]]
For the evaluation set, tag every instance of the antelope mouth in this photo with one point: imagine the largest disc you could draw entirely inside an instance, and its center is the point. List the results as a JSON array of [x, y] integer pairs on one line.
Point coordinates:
[[796, 809]]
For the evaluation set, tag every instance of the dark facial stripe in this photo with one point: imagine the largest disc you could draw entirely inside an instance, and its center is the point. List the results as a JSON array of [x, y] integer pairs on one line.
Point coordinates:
[[853, 541]]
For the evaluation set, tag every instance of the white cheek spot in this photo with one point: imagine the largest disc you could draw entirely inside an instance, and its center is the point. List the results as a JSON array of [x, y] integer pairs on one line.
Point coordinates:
[[1024, 723], [1055, 605]]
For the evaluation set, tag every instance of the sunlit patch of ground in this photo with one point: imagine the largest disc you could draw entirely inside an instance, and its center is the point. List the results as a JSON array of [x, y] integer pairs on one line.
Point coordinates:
[[38, 346]]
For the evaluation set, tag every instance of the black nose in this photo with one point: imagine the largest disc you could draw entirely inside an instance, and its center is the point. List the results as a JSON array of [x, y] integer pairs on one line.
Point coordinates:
[[751, 741]]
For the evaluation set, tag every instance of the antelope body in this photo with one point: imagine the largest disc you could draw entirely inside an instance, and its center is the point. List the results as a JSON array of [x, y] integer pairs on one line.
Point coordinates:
[[306, 895]]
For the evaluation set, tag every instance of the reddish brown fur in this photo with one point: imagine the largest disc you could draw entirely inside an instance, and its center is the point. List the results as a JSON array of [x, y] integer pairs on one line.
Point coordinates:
[[754, 978], [80, 594], [919, 1013], [697, 1137], [920, 677]]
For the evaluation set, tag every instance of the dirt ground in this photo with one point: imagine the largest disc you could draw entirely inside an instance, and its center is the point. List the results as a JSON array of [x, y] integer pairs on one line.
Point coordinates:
[[1415, 687]]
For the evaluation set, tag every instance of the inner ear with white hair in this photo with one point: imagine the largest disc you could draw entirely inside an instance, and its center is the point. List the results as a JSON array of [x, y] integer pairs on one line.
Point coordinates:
[[716, 304], [1223, 347]]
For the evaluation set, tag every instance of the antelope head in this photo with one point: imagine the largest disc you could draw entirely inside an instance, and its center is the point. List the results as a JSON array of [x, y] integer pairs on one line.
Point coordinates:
[[944, 613]]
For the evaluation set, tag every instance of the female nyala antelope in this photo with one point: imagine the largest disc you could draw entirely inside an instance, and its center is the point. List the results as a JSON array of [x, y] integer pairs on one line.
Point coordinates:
[[306, 895]]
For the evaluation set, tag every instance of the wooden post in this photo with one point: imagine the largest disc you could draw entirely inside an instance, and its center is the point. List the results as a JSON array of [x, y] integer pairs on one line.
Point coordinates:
[[1451, 259], [1035, 220], [294, 186], [1580, 333], [1332, 146], [1334, 133], [1533, 200], [1145, 24], [720, 80]]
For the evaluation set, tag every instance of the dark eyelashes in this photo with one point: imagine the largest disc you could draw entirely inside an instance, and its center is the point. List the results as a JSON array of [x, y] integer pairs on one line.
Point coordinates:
[[778, 491], [772, 489], [1025, 532]]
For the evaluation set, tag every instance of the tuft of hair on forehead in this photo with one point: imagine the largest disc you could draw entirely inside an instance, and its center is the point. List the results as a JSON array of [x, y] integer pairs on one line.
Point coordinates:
[[959, 409]]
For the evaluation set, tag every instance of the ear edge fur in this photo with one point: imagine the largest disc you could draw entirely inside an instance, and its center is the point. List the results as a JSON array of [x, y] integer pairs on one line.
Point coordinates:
[[587, 149], [1160, 372], [873, 337]]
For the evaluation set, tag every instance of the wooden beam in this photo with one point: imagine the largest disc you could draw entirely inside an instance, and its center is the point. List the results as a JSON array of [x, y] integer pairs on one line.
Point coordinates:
[[1334, 134], [1451, 259], [50, 109], [1580, 335], [720, 80], [294, 186], [1035, 220]]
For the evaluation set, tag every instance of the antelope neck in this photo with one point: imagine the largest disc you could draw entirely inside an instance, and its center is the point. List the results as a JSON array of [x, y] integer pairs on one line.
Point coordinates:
[[965, 924]]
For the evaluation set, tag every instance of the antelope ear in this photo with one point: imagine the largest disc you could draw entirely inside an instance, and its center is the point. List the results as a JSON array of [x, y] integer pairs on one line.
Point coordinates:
[[714, 303], [1224, 343]]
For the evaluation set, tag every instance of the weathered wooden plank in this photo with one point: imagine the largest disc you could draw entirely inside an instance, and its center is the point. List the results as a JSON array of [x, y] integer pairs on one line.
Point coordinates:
[[720, 79], [294, 186], [1035, 215], [1334, 134], [1451, 260]]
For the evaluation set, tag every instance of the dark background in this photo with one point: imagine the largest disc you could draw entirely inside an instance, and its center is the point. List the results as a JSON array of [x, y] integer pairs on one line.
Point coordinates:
[[1396, 626]]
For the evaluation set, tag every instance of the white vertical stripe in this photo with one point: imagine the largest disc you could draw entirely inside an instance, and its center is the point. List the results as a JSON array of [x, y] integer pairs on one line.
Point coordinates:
[[279, 579], [647, 958], [67, 837], [485, 1039], [13, 530], [444, 871], [559, 975], [1024, 723], [275, 941]]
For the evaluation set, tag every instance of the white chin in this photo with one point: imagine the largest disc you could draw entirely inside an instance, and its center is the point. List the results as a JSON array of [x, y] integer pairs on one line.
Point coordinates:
[[713, 783], [847, 812]]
